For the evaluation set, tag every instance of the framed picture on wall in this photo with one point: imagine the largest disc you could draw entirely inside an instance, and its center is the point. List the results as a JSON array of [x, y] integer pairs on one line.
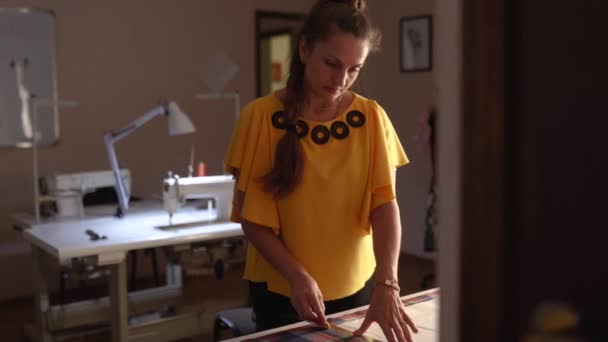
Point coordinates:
[[416, 39]]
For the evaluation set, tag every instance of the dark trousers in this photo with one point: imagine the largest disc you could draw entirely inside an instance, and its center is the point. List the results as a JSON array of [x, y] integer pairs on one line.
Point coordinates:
[[273, 310]]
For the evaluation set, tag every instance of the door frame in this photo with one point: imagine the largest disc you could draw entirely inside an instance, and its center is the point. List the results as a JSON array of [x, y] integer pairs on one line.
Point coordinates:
[[472, 125]]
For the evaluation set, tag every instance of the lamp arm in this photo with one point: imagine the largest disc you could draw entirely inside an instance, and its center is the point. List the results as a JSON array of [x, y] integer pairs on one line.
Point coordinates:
[[110, 139], [160, 110], [121, 191]]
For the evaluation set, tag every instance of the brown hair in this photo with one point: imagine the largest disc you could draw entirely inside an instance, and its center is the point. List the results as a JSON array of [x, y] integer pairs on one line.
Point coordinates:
[[348, 16]]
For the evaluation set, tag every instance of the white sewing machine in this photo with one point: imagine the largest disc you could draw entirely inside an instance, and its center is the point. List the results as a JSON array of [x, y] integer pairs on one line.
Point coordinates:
[[177, 190], [69, 189]]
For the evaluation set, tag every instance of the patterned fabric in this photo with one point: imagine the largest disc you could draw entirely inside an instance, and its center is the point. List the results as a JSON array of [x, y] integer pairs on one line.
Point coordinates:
[[313, 333]]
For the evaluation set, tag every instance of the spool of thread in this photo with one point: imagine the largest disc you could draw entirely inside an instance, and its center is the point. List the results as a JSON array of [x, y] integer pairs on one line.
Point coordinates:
[[201, 170]]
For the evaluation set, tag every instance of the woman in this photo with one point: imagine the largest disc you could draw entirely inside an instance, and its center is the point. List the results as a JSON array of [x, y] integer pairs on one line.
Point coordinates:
[[314, 165]]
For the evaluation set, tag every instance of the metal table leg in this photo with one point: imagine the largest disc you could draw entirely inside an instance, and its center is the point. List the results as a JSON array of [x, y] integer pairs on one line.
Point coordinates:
[[41, 296]]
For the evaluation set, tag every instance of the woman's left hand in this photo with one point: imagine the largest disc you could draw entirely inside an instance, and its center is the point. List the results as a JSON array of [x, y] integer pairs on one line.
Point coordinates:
[[388, 311]]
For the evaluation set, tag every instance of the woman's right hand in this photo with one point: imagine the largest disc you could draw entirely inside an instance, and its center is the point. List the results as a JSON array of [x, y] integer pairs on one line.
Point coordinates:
[[307, 299]]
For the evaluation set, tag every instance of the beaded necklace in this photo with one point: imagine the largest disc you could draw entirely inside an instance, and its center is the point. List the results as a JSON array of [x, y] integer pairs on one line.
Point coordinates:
[[321, 134]]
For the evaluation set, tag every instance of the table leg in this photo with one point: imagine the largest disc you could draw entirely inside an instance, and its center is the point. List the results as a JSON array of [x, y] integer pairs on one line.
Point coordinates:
[[118, 298], [41, 296]]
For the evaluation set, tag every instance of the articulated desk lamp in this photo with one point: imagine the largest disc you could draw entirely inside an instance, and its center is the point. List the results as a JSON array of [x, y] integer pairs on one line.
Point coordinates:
[[178, 122]]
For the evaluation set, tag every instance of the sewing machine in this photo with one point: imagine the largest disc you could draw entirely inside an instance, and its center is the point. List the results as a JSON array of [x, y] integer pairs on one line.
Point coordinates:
[[208, 259], [68, 190], [176, 191]]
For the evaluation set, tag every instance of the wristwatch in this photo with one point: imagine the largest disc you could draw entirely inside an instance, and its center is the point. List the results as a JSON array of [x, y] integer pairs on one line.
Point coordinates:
[[390, 283]]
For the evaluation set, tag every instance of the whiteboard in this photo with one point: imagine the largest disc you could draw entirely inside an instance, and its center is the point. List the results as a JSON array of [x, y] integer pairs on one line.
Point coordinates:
[[27, 71]]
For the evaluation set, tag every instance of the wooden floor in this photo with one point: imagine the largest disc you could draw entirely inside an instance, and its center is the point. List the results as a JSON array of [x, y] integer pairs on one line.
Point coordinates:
[[200, 292]]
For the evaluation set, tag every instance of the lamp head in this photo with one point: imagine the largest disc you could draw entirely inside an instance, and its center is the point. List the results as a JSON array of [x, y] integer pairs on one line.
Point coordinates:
[[179, 122]]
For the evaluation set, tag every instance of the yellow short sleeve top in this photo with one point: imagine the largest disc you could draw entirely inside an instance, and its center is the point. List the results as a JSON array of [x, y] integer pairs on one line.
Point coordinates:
[[348, 170]]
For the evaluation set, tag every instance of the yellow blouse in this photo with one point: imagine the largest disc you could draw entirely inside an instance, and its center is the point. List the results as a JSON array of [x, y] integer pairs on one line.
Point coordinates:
[[325, 222]]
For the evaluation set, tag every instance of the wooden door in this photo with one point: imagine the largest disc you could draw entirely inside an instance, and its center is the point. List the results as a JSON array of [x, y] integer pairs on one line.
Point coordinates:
[[534, 158]]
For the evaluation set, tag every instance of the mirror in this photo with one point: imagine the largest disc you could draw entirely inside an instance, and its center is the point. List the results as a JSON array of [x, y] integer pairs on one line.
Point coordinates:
[[27, 77], [276, 34]]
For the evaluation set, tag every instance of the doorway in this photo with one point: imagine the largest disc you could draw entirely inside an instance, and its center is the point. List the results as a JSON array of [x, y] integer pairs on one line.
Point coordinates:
[[276, 35]]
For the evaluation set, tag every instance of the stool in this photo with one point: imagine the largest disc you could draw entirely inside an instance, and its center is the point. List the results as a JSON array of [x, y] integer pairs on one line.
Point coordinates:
[[239, 321]]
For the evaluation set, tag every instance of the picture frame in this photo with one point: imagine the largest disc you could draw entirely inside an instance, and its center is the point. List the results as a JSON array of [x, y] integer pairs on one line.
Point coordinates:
[[416, 43]]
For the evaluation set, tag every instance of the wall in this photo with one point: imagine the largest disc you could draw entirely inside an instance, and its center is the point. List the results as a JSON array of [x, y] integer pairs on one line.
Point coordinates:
[[119, 59], [406, 97]]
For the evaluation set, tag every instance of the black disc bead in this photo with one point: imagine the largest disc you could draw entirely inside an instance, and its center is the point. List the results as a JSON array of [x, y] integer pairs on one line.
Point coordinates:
[[320, 134], [279, 120], [355, 118], [339, 130], [301, 129]]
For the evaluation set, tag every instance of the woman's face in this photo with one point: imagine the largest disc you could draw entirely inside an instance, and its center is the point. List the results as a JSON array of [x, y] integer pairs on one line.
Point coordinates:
[[332, 66]]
